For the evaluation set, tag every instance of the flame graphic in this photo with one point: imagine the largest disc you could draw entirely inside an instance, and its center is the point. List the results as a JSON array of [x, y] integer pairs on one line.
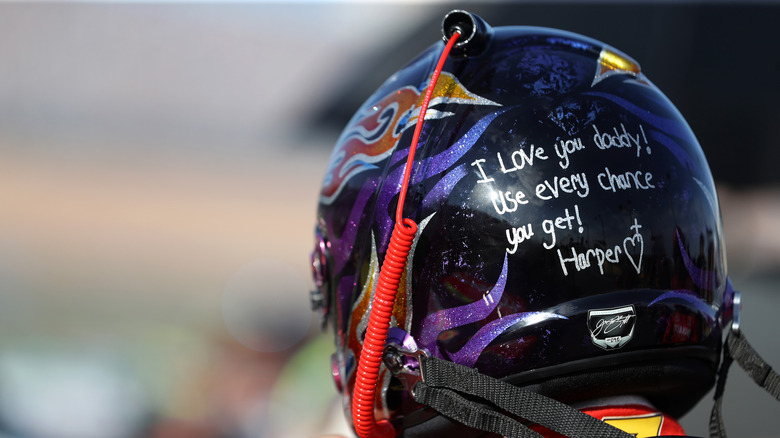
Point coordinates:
[[611, 62], [401, 316], [374, 133]]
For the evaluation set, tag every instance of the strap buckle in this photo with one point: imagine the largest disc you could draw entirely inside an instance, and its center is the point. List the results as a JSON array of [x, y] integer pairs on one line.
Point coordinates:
[[405, 364]]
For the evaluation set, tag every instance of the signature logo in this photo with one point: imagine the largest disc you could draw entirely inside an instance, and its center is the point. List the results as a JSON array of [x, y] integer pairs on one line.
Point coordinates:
[[612, 328], [611, 325]]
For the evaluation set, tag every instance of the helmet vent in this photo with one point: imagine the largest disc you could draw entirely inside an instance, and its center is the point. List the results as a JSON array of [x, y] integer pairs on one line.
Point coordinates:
[[474, 32]]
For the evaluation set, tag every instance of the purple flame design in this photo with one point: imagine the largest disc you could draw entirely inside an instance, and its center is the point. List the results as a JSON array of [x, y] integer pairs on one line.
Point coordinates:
[[350, 232], [470, 352], [690, 297], [700, 277], [446, 319], [444, 187], [433, 166], [663, 125]]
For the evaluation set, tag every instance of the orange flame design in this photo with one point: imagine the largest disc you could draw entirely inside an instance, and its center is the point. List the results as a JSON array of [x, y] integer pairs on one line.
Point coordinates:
[[374, 133]]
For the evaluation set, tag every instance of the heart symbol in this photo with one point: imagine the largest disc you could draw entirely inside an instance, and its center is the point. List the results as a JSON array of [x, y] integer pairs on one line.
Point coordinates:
[[635, 240]]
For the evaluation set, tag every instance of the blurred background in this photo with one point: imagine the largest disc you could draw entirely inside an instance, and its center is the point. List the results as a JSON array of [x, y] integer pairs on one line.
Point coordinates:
[[159, 169]]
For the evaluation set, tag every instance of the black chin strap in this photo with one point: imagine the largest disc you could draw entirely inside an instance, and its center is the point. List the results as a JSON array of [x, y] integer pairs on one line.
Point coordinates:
[[738, 349], [471, 398]]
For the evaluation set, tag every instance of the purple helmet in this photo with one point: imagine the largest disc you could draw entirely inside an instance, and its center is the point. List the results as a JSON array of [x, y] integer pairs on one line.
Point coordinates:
[[569, 239]]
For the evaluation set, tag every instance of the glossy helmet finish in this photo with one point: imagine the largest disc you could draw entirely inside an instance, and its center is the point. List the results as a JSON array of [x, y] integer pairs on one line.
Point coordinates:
[[569, 229]]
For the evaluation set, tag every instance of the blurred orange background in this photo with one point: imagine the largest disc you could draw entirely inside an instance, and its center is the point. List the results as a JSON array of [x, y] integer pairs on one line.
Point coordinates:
[[159, 171]]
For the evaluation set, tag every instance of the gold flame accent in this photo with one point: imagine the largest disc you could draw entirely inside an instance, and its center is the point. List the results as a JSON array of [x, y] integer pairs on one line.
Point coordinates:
[[612, 62]]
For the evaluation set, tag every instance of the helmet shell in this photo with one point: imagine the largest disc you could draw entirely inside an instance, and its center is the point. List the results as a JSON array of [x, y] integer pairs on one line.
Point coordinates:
[[569, 229]]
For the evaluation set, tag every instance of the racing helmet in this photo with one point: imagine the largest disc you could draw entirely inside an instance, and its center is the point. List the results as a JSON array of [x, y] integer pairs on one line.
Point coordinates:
[[569, 240]]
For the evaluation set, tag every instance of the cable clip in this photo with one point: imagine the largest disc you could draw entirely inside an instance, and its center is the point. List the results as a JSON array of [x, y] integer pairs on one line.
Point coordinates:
[[403, 358]]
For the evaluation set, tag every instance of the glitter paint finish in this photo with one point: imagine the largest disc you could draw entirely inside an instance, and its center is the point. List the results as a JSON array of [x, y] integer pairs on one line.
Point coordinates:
[[443, 187], [542, 194], [444, 160], [446, 319], [470, 352], [346, 241]]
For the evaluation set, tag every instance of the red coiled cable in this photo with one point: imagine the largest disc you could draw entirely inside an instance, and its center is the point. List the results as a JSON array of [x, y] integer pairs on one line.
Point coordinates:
[[367, 376]]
